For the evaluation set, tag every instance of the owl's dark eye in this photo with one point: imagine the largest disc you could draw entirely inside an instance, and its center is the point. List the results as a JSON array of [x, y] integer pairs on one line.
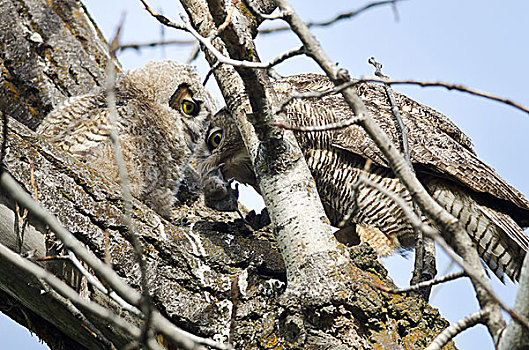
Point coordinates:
[[214, 139], [189, 107]]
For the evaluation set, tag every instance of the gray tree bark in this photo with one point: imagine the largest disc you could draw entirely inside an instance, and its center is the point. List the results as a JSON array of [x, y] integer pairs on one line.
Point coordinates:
[[207, 272]]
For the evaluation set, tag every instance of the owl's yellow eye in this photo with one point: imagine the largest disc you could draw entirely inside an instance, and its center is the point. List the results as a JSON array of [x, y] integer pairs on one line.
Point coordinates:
[[189, 107], [214, 140]]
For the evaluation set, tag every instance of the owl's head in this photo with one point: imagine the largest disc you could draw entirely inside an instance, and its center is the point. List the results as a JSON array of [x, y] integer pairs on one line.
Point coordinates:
[[221, 157], [175, 89], [222, 147]]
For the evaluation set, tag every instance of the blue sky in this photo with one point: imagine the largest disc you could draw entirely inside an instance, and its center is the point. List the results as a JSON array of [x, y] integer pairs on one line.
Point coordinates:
[[481, 44]]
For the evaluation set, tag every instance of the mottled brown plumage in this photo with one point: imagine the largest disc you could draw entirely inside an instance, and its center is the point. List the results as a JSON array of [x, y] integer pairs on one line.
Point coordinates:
[[491, 210], [162, 108]]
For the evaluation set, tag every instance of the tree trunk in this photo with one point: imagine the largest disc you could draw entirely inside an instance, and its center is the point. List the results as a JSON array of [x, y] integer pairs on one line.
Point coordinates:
[[207, 272]]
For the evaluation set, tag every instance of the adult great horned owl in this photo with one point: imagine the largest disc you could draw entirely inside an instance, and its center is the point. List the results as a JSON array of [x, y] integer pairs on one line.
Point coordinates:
[[490, 209], [162, 108]]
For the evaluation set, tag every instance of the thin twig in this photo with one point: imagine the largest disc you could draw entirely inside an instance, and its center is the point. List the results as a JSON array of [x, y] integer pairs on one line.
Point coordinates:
[[433, 233], [447, 268], [424, 284], [451, 86], [402, 129], [139, 46], [207, 42], [180, 337], [313, 94], [68, 293], [146, 305], [53, 258], [424, 250], [454, 329], [94, 282], [162, 19], [423, 83], [4, 140], [335, 19], [272, 73], [210, 71], [286, 55], [395, 11], [195, 51]]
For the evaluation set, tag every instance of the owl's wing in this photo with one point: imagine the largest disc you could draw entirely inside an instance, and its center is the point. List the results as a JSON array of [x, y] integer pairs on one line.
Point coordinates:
[[437, 145], [80, 126]]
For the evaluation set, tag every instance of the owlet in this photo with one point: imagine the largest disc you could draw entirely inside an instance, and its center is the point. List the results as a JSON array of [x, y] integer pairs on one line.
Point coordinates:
[[162, 108]]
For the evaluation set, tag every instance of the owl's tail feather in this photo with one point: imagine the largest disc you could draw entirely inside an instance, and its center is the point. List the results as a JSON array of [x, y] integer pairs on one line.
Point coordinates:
[[500, 242]]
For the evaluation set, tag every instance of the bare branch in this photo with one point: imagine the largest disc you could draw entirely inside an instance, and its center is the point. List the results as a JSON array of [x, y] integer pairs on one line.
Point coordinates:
[[425, 267], [210, 71], [395, 110], [317, 94], [145, 305], [286, 55], [273, 62], [433, 233], [68, 293], [139, 46], [103, 271], [454, 329], [162, 19], [314, 94], [93, 281], [194, 53], [272, 73], [337, 18], [440, 216], [227, 21], [457, 87], [4, 140], [423, 83], [516, 336], [418, 286], [208, 43]]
